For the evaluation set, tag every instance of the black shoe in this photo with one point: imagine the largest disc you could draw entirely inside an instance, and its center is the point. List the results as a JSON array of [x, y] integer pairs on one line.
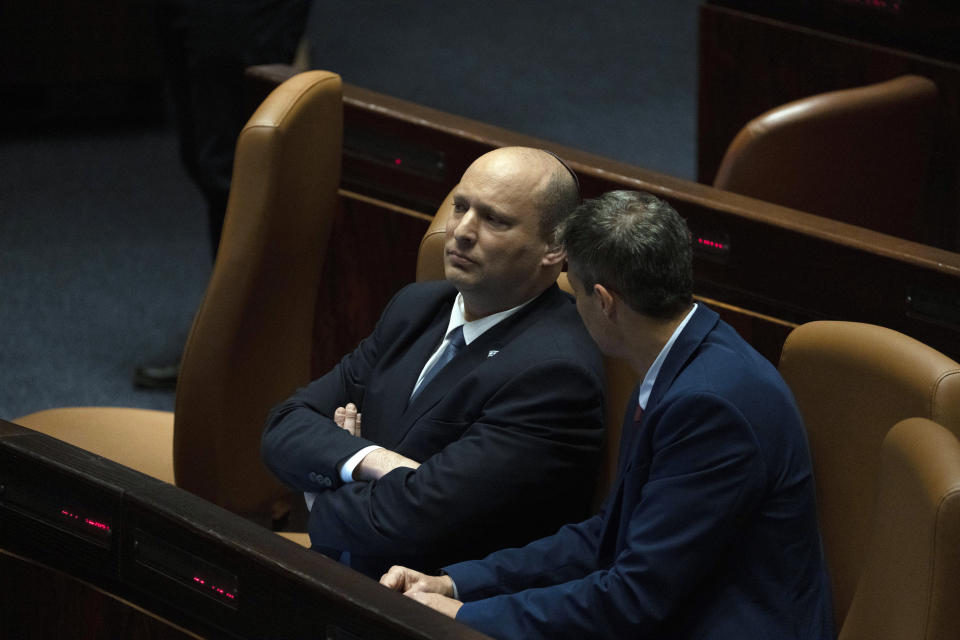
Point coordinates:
[[157, 376]]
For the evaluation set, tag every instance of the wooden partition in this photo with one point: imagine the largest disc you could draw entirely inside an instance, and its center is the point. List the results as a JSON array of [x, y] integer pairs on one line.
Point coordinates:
[[92, 549], [752, 63], [42, 603], [765, 268]]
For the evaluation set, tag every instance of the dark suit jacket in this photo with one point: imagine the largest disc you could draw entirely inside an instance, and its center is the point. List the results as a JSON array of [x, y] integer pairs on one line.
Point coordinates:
[[508, 434], [709, 532]]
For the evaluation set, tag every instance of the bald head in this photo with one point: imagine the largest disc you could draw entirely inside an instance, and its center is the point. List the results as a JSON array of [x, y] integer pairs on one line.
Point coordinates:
[[542, 176]]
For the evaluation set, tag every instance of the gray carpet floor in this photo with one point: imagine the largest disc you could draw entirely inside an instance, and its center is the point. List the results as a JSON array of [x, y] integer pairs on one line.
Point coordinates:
[[103, 260]]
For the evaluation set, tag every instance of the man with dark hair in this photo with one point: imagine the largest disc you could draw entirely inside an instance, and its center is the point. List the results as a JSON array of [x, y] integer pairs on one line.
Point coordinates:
[[710, 530], [498, 448]]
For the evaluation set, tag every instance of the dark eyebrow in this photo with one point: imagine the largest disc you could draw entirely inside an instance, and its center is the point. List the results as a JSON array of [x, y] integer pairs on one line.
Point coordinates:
[[483, 208], [487, 210]]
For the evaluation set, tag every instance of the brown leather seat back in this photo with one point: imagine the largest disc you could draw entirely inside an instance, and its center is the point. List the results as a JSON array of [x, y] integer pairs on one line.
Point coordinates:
[[621, 379], [853, 382], [910, 586], [250, 343], [430, 255], [857, 155]]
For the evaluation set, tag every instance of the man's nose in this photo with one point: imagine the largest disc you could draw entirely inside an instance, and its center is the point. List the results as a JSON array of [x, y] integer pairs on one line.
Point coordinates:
[[465, 230]]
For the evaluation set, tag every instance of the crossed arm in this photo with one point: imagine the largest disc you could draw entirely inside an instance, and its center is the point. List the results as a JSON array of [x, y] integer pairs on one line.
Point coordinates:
[[495, 468], [532, 426], [378, 462]]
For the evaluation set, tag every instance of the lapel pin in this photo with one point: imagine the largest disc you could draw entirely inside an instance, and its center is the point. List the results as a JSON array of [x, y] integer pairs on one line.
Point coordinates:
[[492, 353]]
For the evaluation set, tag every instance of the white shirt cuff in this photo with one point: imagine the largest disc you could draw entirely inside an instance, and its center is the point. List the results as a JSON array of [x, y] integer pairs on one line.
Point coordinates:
[[346, 471]]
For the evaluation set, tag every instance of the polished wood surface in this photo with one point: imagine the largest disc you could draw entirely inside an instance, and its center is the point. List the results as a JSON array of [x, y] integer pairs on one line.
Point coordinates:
[[371, 255], [751, 64]]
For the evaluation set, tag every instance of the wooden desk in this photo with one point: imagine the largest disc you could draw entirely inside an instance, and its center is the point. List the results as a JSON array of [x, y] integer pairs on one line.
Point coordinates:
[[107, 552], [750, 64]]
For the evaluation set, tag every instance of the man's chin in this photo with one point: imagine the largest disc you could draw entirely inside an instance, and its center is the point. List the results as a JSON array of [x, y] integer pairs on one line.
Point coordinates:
[[455, 273], [462, 281], [457, 281]]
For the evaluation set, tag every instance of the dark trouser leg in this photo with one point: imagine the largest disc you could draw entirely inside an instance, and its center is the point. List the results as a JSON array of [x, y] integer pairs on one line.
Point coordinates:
[[207, 45]]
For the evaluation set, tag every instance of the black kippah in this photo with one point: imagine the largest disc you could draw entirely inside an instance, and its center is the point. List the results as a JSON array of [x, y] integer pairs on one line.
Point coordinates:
[[573, 175]]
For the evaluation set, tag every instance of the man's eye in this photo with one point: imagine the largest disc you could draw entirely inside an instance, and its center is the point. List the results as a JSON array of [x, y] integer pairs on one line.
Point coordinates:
[[459, 207]]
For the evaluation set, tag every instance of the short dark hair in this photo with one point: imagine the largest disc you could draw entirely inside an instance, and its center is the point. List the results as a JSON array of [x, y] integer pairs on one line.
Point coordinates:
[[636, 245], [559, 197]]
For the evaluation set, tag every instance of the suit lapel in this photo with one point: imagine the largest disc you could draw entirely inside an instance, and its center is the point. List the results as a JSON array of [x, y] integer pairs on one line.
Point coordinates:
[[473, 355], [462, 364], [633, 439], [628, 432], [701, 323], [401, 375]]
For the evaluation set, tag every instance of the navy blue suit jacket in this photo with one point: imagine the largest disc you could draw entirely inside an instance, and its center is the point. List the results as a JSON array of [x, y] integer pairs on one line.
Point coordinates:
[[709, 532], [508, 435]]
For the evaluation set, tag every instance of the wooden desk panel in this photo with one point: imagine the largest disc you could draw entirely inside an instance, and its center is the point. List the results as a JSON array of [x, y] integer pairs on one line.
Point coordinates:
[[41, 603], [193, 568], [751, 64], [372, 254], [784, 266]]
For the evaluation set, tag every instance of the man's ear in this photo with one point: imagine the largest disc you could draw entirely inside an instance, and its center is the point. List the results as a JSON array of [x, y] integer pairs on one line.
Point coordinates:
[[554, 256], [608, 302]]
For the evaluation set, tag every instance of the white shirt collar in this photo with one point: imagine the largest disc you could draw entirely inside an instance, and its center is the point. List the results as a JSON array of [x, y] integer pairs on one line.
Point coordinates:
[[648, 380], [475, 328]]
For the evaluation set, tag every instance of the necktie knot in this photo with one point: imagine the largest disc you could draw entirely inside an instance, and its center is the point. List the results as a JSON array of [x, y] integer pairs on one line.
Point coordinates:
[[455, 342]]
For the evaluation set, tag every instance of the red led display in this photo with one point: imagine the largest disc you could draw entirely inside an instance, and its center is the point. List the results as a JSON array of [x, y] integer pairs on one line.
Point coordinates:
[[713, 244], [97, 525], [891, 6], [214, 588], [89, 522], [188, 570]]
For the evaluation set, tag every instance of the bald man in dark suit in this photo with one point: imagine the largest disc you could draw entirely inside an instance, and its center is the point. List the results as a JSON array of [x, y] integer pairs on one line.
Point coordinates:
[[496, 447]]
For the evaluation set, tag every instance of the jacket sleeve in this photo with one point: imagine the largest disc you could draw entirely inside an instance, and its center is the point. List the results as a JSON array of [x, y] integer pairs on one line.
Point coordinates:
[[301, 444], [569, 554], [684, 507], [537, 430]]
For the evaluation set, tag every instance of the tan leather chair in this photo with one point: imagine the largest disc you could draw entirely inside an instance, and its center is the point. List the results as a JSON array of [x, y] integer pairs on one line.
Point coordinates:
[[250, 344], [910, 585], [853, 382], [858, 155], [621, 379]]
